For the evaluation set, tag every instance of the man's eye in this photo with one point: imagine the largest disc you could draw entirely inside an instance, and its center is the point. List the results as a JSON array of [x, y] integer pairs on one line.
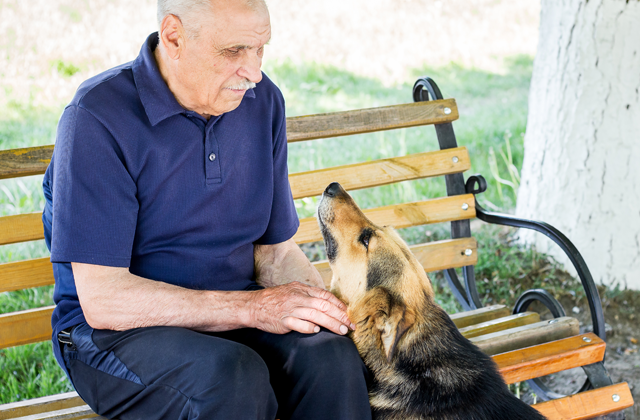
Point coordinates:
[[233, 51]]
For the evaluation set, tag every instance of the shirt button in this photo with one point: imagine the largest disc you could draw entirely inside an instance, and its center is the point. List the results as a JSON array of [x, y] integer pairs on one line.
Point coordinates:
[[212, 157]]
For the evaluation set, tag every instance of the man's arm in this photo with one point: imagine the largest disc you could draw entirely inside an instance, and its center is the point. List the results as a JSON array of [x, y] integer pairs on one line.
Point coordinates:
[[284, 263], [113, 298]]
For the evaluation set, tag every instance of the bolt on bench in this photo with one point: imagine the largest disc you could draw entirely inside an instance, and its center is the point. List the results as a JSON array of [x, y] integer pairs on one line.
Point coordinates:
[[524, 347]]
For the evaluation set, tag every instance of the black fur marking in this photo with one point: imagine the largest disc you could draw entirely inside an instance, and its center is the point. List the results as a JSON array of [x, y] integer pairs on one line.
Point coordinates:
[[384, 268], [455, 380], [330, 243], [407, 253]]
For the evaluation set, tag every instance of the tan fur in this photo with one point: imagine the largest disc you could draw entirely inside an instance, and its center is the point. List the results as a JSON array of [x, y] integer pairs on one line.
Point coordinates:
[[419, 360]]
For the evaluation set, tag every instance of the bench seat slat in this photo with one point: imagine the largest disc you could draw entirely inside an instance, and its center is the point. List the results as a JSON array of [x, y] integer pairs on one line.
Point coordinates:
[[500, 324], [74, 413], [588, 404], [477, 316], [555, 356], [515, 366], [25, 327], [21, 228], [40, 405], [433, 256], [526, 335], [26, 274], [402, 215], [360, 121], [381, 172]]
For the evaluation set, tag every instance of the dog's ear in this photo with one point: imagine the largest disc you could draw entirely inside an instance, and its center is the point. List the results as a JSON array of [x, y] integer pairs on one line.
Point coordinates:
[[387, 317]]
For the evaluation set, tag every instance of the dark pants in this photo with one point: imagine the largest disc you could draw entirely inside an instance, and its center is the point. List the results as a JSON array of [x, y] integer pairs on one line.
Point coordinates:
[[175, 373]]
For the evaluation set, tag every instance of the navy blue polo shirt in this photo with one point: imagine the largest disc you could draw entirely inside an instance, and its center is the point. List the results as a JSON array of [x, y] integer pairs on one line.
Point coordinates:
[[138, 181]]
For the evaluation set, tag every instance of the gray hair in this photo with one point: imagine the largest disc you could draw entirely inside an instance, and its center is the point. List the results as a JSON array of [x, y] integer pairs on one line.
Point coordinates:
[[191, 12]]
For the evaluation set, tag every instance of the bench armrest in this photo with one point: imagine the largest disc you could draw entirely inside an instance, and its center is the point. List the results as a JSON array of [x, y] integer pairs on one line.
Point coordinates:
[[595, 305]]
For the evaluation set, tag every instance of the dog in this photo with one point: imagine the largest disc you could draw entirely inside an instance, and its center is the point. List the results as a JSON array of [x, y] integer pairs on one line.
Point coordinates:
[[421, 366]]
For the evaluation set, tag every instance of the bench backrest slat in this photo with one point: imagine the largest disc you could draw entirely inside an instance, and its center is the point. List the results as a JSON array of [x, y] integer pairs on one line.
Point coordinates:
[[400, 216], [24, 162], [28, 227], [21, 228], [381, 172], [360, 121], [25, 327], [34, 160], [25, 274], [35, 325]]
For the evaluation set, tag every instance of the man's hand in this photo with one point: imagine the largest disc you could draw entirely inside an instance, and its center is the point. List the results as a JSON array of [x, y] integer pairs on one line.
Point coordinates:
[[298, 307], [284, 263]]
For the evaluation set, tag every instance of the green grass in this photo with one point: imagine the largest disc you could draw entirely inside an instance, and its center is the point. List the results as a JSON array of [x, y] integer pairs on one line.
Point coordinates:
[[493, 109]]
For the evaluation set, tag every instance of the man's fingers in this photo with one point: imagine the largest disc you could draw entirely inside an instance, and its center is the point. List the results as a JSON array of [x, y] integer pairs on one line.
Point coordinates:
[[331, 310], [300, 325], [328, 296], [321, 319]]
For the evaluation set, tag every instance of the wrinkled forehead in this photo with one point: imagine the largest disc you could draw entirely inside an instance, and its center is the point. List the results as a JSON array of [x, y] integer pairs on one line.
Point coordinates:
[[237, 23]]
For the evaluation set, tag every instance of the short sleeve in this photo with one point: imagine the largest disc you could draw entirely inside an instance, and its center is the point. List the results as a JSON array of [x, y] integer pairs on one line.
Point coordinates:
[[94, 197], [283, 222]]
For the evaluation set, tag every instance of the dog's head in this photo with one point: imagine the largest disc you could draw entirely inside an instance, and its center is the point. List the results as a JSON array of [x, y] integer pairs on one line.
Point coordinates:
[[374, 272]]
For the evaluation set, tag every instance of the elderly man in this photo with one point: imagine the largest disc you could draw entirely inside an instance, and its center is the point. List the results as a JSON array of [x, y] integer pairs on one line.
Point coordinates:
[[169, 174]]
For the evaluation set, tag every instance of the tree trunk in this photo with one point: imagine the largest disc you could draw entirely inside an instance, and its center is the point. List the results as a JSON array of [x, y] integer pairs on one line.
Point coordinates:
[[581, 170]]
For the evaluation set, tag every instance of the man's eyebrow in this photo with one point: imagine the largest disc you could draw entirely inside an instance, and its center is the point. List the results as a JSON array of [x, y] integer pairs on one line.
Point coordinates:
[[243, 46]]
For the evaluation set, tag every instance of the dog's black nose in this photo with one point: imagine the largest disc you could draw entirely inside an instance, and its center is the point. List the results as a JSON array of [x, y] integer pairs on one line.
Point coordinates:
[[333, 189]]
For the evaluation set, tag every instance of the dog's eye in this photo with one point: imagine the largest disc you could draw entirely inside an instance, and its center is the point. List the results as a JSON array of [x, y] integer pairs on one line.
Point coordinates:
[[365, 236]]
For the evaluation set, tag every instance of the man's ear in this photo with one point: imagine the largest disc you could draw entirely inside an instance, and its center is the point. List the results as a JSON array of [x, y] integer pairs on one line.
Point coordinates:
[[172, 36]]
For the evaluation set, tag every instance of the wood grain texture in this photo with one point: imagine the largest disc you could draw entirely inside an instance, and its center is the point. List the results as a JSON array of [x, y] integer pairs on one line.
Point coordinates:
[[555, 356], [21, 228], [433, 256], [381, 172], [24, 327], [24, 162], [402, 215], [477, 316], [25, 274], [34, 160], [40, 405], [74, 413], [359, 121], [588, 404], [527, 335], [500, 324]]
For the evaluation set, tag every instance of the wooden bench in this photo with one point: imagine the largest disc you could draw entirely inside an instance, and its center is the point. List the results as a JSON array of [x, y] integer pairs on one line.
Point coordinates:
[[524, 346]]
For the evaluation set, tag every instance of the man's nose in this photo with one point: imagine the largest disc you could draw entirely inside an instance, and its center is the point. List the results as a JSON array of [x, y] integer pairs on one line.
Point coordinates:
[[251, 68]]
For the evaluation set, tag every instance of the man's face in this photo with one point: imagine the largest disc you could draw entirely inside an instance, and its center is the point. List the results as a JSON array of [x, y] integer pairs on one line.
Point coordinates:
[[216, 67]]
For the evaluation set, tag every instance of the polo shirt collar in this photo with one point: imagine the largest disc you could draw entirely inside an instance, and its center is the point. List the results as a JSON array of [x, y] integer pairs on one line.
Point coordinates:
[[158, 101]]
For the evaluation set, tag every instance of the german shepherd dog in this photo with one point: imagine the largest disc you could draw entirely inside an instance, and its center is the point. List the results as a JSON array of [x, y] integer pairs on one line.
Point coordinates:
[[422, 367]]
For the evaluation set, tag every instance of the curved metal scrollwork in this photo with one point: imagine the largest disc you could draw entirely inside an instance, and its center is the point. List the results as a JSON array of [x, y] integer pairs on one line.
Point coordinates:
[[556, 309], [424, 88]]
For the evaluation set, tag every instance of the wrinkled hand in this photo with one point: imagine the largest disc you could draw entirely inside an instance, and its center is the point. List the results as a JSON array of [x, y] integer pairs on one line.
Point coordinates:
[[298, 307]]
